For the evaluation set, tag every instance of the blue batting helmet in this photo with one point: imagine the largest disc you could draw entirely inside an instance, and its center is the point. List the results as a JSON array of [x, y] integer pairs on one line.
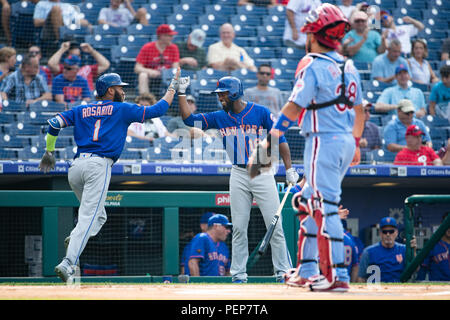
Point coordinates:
[[232, 85], [106, 81]]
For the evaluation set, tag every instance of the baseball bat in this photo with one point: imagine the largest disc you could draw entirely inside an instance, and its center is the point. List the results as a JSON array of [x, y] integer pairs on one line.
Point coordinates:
[[265, 242]]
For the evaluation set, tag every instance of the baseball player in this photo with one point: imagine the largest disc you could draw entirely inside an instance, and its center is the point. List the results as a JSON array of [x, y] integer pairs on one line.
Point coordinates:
[[326, 103], [208, 254], [242, 124], [100, 129]]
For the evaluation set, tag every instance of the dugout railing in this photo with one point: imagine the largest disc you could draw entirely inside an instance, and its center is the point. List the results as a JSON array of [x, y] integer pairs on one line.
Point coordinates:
[[53, 204], [414, 261]]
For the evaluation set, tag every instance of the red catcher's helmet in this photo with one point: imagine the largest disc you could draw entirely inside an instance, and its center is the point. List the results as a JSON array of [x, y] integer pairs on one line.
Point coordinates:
[[328, 24]]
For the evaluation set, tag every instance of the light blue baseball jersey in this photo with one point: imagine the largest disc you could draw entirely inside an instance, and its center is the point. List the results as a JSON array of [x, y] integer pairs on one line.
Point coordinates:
[[393, 95], [101, 127], [320, 82], [395, 131], [240, 132], [383, 67], [214, 256]]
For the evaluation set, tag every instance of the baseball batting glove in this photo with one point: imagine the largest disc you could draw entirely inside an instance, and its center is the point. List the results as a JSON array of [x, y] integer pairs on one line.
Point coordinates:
[[291, 176], [174, 84], [260, 158], [183, 84], [47, 162]]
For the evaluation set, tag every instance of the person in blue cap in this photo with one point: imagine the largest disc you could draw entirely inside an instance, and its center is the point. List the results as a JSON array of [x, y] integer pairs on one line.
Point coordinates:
[[209, 255], [388, 255], [184, 268]]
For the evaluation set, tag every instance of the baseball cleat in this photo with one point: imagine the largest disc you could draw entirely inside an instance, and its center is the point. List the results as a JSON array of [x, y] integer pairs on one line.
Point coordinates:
[[337, 286], [64, 270], [292, 279]]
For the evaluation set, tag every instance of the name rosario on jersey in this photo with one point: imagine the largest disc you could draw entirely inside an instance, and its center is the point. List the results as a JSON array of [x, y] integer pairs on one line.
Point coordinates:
[[96, 111], [245, 129], [215, 256]]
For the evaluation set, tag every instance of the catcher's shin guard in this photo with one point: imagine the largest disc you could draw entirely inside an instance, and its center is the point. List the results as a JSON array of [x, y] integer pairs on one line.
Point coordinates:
[[323, 243]]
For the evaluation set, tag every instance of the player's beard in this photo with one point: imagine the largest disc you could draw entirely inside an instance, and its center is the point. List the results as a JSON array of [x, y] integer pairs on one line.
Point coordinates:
[[228, 106], [308, 45], [118, 97]]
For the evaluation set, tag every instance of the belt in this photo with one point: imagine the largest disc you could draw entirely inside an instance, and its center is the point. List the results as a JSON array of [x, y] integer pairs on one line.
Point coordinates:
[[243, 166], [88, 155]]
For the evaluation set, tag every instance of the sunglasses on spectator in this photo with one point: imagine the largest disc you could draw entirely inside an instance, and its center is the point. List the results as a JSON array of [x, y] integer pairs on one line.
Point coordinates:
[[264, 73], [68, 68], [390, 231], [34, 52], [360, 21]]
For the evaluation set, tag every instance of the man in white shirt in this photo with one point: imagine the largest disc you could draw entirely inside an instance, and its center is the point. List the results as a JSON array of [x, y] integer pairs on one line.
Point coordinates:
[[347, 8], [296, 13], [118, 15], [227, 56], [53, 14], [403, 32]]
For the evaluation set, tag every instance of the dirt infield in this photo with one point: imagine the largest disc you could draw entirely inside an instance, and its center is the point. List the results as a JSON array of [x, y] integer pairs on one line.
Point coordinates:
[[220, 292]]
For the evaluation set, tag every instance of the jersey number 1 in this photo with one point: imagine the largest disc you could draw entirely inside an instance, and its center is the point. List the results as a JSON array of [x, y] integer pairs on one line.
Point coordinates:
[[96, 130]]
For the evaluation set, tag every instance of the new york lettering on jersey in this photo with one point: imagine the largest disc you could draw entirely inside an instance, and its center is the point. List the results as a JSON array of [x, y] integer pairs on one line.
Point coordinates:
[[96, 130], [324, 69], [240, 132]]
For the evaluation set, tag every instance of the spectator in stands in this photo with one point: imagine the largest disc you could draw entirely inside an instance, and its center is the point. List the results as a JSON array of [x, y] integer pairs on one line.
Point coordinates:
[[227, 56], [384, 65], [395, 130], [184, 268], [44, 71], [445, 52], [151, 129], [437, 263], [5, 17], [389, 98], [7, 61], [154, 57], [421, 71], [260, 3], [53, 14], [440, 93], [117, 15], [370, 139], [25, 85], [362, 44], [209, 255], [262, 93], [90, 72], [296, 13], [403, 32], [347, 8], [192, 53], [444, 153], [178, 123], [387, 254], [416, 154], [69, 87]]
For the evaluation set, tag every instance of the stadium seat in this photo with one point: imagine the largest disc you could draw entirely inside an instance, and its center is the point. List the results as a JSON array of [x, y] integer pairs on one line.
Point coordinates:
[[130, 40], [130, 155], [279, 11], [30, 153], [413, 12], [157, 153], [64, 141], [159, 8], [245, 19], [244, 74], [210, 74], [21, 129], [11, 106], [252, 10], [182, 29], [287, 64], [261, 53], [274, 20], [217, 8], [7, 117], [292, 53], [124, 53], [213, 18], [11, 141], [33, 118], [182, 18], [244, 31], [107, 30], [283, 85], [67, 131], [186, 8], [100, 41], [47, 106], [296, 143], [133, 142], [74, 32], [69, 152], [8, 154], [270, 30], [211, 30], [23, 31], [273, 42]]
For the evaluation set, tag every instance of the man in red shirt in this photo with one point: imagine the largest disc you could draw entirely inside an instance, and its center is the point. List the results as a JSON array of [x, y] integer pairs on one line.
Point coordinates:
[[415, 153], [154, 57]]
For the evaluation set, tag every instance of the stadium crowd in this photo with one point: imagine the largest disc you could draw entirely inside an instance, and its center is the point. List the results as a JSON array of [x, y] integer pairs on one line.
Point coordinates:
[[53, 51]]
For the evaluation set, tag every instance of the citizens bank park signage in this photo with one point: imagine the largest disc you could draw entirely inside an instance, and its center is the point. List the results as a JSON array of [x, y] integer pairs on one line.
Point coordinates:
[[223, 200]]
